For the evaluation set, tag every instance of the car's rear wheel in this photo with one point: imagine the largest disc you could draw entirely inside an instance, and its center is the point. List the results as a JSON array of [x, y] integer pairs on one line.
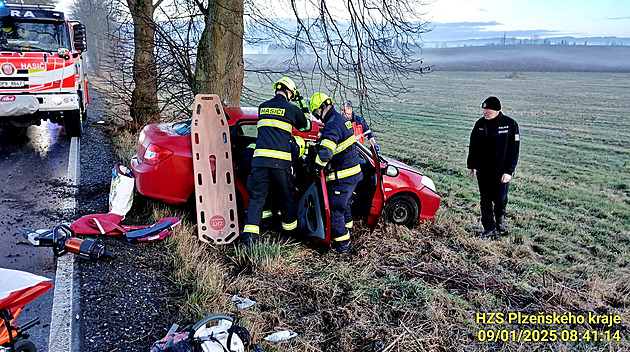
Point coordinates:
[[401, 209]]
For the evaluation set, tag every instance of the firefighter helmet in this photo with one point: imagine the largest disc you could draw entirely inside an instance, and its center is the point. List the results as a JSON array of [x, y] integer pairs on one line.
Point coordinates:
[[286, 83], [320, 100], [301, 145]]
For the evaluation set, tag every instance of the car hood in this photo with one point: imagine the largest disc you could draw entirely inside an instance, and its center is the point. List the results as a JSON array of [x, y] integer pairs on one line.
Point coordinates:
[[401, 165]]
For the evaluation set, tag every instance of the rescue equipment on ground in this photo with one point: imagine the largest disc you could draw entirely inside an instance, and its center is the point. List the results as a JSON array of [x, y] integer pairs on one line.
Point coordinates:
[[108, 224], [215, 333], [121, 190], [62, 240], [17, 289]]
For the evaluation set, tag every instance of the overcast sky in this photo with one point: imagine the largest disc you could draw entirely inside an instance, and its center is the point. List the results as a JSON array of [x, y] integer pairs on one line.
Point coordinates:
[[467, 19], [461, 19]]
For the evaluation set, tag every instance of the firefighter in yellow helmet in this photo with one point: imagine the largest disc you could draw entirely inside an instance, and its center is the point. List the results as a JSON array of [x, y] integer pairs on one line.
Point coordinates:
[[337, 154], [272, 159]]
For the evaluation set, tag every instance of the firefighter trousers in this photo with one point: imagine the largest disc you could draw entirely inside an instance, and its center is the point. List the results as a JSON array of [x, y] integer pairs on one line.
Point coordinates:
[[339, 196], [258, 185], [494, 197]]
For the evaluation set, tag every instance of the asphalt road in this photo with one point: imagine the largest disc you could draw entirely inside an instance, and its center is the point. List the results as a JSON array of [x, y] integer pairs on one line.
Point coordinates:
[[36, 186], [33, 187]]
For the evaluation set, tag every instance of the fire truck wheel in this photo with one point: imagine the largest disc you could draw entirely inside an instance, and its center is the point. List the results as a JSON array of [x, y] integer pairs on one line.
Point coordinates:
[[24, 346], [72, 123]]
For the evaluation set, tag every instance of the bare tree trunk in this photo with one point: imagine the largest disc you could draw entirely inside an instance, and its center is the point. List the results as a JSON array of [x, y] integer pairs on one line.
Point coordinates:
[[219, 67], [144, 99]]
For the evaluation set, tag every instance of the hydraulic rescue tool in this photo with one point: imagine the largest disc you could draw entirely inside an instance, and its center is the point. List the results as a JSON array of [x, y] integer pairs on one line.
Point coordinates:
[[62, 240]]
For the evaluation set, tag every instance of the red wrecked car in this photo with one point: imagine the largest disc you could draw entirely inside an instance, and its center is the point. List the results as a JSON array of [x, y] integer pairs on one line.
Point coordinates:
[[163, 169]]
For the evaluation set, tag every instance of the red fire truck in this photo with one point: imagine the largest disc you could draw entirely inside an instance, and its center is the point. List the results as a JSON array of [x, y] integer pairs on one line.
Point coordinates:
[[42, 68]]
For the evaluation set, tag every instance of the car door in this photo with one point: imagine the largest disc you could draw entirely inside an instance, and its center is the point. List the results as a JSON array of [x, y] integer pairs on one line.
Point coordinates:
[[314, 212], [378, 200]]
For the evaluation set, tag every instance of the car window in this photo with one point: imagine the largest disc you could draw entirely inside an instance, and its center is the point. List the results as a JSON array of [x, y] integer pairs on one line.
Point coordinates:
[[249, 131], [367, 151], [182, 128]]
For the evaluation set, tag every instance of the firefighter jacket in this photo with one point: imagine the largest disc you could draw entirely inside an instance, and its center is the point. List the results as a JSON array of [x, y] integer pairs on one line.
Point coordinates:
[[337, 148], [494, 146], [276, 119], [360, 127]]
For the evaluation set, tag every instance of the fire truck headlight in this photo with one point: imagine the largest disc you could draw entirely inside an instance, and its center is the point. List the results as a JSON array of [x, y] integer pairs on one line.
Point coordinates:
[[57, 100]]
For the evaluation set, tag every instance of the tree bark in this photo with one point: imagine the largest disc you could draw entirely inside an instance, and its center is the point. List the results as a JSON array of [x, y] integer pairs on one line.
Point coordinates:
[[144, 100], [219, 67]]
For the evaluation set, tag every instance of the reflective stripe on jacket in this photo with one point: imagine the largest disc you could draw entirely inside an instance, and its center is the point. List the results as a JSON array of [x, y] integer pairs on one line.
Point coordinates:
[[337, 148], [276, 118]]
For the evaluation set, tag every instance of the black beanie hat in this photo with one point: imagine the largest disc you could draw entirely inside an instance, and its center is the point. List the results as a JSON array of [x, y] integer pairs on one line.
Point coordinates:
[[492, 103]]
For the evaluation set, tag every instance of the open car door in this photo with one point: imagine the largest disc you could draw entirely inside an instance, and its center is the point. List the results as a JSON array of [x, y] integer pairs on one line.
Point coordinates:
[[378, 200], [314, 212]]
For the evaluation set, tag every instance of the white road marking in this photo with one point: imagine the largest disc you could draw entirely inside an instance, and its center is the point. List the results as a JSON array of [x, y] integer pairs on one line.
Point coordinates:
[[60, 338]]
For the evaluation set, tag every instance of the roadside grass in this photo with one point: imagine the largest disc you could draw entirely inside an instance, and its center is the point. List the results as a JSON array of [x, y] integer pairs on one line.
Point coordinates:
[[420, 289]]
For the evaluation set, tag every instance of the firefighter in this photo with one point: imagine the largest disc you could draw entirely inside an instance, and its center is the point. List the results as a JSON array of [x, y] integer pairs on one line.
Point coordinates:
[[272, 158], [494, 150], [359, 125], [271, 208], [338, 156]]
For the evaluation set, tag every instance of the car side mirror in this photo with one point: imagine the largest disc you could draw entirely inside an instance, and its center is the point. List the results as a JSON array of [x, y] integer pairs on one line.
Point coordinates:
[[391, 171]]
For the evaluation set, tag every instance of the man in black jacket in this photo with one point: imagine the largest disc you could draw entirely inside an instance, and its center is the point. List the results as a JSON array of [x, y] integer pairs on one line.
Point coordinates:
[[494, 150]]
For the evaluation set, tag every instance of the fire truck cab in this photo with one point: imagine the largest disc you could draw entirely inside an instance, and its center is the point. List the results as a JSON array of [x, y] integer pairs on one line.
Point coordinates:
[[42, 68]]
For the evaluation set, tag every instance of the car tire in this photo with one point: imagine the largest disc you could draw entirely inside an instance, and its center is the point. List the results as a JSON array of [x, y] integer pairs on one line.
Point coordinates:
[[401, 209], [72, 123], [24, 346]]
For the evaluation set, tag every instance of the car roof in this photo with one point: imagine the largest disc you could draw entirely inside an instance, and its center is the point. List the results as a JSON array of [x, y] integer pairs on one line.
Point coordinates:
[[234, 114]]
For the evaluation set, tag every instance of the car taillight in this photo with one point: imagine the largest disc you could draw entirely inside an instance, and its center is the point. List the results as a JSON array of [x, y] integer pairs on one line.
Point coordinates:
[[156, 154]]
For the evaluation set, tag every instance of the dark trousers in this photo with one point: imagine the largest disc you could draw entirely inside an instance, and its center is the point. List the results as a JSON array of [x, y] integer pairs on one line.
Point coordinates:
[[339, 195], [258, 184], [494, 198]]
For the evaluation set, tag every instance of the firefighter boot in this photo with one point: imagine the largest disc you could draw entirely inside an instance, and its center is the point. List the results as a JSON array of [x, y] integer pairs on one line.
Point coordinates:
[[501, 226], [248, 238], [342, 247]]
